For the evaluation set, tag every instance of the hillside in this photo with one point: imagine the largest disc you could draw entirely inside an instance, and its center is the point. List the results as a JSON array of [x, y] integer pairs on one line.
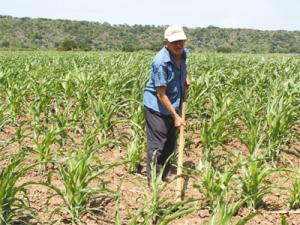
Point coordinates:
[[27, 33]]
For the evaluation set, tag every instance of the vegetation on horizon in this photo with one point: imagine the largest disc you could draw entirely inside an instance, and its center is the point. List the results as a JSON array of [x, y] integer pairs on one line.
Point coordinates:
[[26, 33]]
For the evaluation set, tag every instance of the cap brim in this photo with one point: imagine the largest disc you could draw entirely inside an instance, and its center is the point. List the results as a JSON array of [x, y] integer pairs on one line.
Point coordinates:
[[177, 37]]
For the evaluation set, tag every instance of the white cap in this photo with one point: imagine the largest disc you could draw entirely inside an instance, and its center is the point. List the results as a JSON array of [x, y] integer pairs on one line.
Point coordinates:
[[174, 33]]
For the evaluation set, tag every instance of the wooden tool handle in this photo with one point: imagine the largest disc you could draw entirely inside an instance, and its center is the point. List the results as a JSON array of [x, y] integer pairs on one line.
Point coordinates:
[[180, 154]]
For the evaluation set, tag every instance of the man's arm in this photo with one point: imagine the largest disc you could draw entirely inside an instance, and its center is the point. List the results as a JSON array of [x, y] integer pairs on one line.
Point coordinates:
[[163, 98], [187, 80], [187, 84]]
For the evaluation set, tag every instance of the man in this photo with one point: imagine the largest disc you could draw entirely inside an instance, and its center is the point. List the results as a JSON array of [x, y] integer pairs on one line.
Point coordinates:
[[163, 96]]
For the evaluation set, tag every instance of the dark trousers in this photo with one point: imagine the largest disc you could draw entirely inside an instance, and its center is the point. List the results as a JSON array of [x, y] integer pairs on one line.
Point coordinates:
[[161, 140]]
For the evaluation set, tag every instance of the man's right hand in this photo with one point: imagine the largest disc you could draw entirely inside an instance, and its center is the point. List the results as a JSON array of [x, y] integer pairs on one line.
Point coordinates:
[[163, 98], [178, 121]]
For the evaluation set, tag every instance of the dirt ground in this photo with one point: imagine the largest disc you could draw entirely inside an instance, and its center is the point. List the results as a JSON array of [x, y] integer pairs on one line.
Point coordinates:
[[134, 188]]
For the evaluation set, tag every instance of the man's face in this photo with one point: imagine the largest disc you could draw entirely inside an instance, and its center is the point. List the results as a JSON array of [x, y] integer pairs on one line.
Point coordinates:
[[175, 47]]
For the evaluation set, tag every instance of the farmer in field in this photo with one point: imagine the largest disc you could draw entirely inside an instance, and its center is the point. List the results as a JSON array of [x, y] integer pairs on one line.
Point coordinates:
[[163, 96]]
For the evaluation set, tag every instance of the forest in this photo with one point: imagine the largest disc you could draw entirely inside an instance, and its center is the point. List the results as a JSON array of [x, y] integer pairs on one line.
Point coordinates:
[[49, 34]]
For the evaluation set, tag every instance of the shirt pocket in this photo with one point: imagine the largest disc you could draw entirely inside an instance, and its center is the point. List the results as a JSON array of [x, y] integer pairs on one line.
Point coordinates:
[[172, 87]]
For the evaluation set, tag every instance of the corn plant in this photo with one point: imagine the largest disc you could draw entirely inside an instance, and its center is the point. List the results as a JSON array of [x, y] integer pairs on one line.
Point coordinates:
[[43, 140], [134, 152], [12, 206], [3, 119], [104, 111], [294, 190], [253, 137], [68, 85], [118, 198], [214, 184], [253, 181], [15, 94], [137, 146], [224, 214], [157, 209], [40, 105], [77, 174], [84, 82], [283, 220], [64, 120], [132, 87], [295, 194], [216, 131], [199, 88], [281, 116]]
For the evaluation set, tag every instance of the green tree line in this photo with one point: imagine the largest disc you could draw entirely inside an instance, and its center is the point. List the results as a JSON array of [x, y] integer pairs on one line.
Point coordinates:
[[27, 33]]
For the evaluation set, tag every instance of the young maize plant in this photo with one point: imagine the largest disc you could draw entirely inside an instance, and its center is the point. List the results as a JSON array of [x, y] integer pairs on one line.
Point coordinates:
[[42, 98], [281, 116], [253, 181], [294, 190], [83, 87], [253, 137], [214, 184], [216, 131], [14, 99], [43, 140], [283, 220], [104, 114], [64, 121], [118, 199], [224, 214], [78, 173], [134, 152], [68, 85], [137, 146], [135, 82], [157, 209], [14, 208], [198, 92], [39, 108], [4, 119], [295, 194]]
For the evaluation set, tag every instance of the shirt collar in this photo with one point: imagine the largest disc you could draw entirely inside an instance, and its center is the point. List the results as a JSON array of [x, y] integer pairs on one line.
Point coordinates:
[[167, 56]]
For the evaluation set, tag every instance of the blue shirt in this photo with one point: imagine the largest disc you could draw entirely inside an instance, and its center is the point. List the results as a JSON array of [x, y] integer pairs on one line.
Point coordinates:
[[165, 72]]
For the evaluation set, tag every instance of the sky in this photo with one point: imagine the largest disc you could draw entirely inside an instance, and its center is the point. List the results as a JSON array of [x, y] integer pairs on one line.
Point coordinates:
[[253, 14]]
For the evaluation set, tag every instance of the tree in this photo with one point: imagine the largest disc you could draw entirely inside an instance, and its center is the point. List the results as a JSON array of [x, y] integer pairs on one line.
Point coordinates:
[[68, 45], [5, 44], [225, 48]]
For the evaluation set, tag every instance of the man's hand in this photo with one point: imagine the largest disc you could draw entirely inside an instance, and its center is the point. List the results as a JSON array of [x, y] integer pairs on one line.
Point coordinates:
[[163, 98], [178, 121]]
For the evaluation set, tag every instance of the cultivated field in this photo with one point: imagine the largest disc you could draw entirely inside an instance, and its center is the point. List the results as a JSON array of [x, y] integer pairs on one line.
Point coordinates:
[[72, 141]]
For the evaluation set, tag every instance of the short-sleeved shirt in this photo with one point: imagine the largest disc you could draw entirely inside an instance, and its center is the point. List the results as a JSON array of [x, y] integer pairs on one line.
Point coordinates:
[[165, 72]]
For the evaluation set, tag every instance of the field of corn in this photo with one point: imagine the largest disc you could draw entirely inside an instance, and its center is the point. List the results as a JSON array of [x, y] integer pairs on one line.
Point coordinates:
[[72, 141]]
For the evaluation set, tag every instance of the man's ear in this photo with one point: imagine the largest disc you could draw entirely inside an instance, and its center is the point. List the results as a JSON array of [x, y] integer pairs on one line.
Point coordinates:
[[165, 42]]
